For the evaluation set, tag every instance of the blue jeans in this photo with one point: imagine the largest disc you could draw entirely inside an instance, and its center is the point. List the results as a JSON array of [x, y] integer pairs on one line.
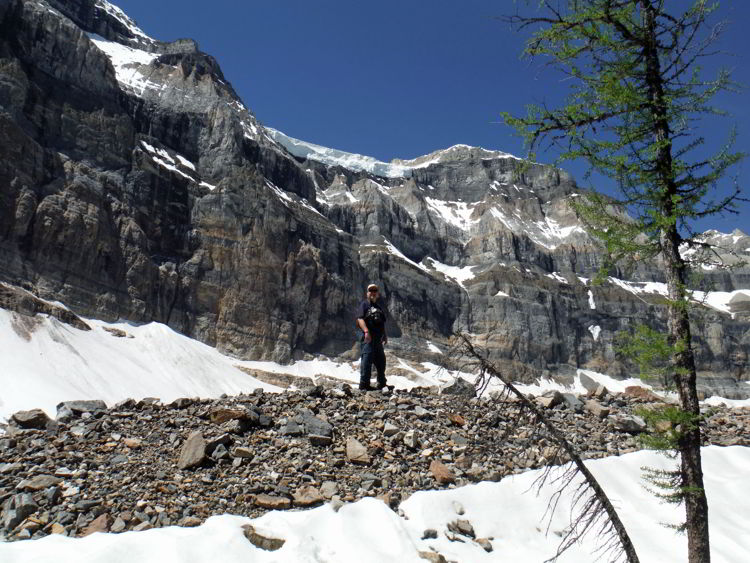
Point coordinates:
[[372, 354]]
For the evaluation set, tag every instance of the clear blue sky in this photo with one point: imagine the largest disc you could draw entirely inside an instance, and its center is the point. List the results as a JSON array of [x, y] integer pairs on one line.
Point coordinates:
[[398, 79]]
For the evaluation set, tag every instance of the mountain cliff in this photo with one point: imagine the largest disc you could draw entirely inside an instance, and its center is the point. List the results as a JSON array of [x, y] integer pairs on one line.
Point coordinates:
[[135, 184]]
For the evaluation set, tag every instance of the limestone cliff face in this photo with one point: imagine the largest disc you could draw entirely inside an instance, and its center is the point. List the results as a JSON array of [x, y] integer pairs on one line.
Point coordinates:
[[135, 184]]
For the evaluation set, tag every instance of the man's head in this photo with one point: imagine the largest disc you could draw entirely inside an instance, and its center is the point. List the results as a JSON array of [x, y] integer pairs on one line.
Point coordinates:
[[373, 291]]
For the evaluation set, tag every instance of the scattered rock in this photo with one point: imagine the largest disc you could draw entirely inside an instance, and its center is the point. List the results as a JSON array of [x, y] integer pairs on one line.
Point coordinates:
[[456, 419], [459, 387], [308, 496], [100, 524], [596, 408], [80, 407], [433, 557], [441, 473], [272, 502], [389, 429], [35, 418], [485, 543], [41, 482], [462, 527], [16, 508], [263, 542], [411, 440], [637, 392], [122, 461], [193, 451], [630, 423], [550, 399], [588, 382], [356, 452], [572, 402]]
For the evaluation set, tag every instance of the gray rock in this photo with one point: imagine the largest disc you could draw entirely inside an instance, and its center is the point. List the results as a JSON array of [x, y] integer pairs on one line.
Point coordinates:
[[80, 407], [411, 440], [485, 543], [224, 440], [314, 425], [630, 423], [264, 542], [10, 468], [193, 451], [17, 508], [35, 418], [572, 402], [40, 482], [549, 399], [316, 440], [389, 429], [220, 452], [588, 383], [292, 428], [356, 452], [459, 387], [118, 459], [243, 452], [596, 408], [462, 527], [328, 489]]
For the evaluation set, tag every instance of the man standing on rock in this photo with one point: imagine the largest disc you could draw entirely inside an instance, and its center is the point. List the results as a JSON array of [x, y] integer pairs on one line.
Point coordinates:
[[371, 318]]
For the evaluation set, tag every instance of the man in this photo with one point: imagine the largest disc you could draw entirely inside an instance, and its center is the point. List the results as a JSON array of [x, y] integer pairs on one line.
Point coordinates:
[[371, 318]]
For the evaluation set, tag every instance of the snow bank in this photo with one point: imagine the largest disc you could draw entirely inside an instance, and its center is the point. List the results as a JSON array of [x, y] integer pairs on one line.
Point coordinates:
[[53, 362]]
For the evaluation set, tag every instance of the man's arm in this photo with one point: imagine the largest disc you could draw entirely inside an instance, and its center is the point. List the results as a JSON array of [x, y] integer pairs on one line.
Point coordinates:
[[387, 313], [363, 326]]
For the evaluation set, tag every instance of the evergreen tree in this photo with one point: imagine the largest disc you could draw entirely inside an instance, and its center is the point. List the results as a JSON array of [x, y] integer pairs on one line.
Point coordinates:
[[637, 94]]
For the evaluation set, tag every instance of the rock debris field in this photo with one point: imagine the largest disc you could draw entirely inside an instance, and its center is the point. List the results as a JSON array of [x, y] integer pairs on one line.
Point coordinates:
[[140, 465]]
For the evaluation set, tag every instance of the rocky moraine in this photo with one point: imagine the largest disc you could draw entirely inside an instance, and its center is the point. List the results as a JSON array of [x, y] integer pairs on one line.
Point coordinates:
[[139, 465]]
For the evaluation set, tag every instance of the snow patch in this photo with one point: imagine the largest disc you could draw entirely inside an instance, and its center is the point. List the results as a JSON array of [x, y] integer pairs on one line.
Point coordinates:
[[123, 18], [719, 300], [127, 63], [334, 157], [557, 277], [432, 348], [457, 274], [456, 213], [595, 330], [59, 363], [592, 303]]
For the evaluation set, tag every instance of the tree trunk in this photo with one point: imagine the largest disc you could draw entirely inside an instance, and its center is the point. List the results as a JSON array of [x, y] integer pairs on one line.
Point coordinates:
[[678, 320], [683, 365]]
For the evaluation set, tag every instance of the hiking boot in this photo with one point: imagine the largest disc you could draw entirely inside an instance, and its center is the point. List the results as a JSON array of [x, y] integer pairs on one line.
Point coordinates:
[[365, 388]]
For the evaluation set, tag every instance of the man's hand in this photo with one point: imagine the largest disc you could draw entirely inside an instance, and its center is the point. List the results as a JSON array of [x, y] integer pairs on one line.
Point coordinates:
[[385, 340], [368, 338]]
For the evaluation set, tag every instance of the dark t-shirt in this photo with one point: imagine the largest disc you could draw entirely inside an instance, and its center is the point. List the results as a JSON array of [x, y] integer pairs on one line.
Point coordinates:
[[374, 315]]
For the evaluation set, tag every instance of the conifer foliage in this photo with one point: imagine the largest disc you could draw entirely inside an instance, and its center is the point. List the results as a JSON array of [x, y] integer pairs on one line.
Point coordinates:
[[637, 95]]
